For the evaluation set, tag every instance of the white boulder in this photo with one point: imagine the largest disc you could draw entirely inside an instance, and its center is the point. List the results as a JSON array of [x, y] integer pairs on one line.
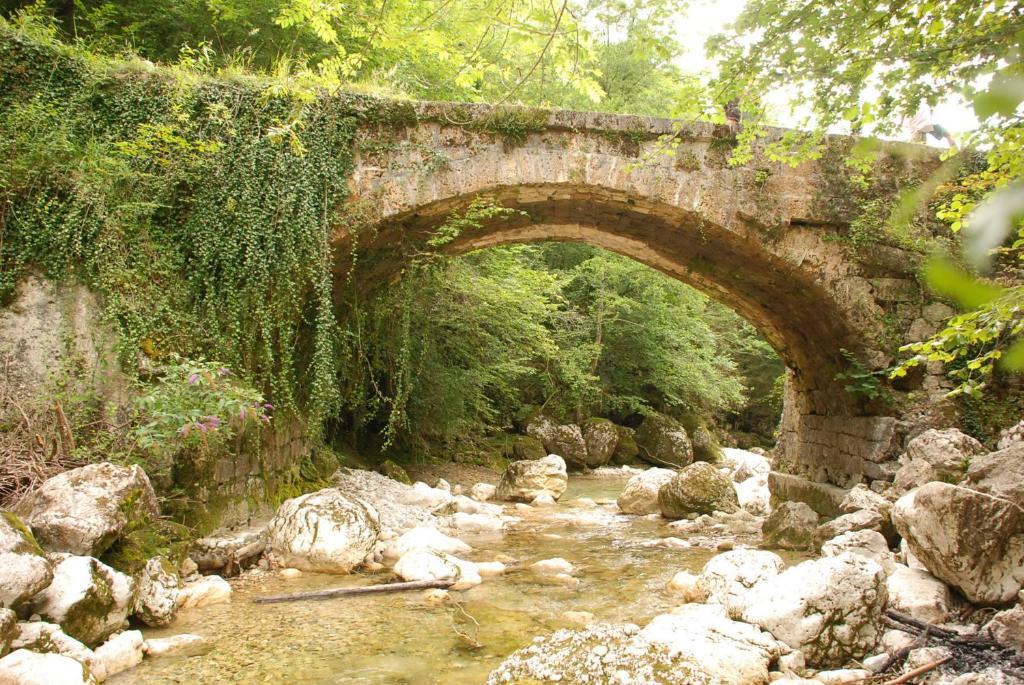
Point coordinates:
[[970, 540], [640, 496], [867, 543], [726, 577], [754, 496], [524, 480], [184, 644], [482, 491], [204, 591], [550, 567], [918, 594], [1000, 474], [427, 539], [422, 565], [936, 455], [791, 525], [322, 532], [1007, 628], [84, 510], [118, 654], [24, 570], [39, 636], [827, 608], [157, 596], [478, 523], [88, 599], [23, 667]]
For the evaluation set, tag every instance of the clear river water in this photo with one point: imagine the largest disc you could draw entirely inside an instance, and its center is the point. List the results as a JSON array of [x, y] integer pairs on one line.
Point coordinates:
[[403, 639]]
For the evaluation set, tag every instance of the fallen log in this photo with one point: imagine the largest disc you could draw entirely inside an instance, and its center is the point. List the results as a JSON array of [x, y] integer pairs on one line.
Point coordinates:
[[356, 591], [920, 670]]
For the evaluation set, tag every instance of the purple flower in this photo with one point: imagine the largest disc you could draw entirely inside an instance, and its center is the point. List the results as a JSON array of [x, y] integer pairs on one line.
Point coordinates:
[[241, 413], [268, 407], [264, 418], [213, 421], [201, 427], [193, 378], [184, 430]]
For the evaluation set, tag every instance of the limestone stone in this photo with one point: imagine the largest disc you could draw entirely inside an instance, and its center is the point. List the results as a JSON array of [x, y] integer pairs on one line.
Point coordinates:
[[553, 566], [425, 565], [478, 523], [1000, 474], [1014, 435], [688, 586], [23, 667], [482, 492], [543, 500], [726, 577], [753, 495], [426, 539], [157, 597], [1007, 628], [183, 644], [437, 500], [663, 441], [704, 443], [936, 455], [861, 497], [970, 540], [324, 532], [204, 591], [869, 544], [842, 676], [24, 570], [745, 464], [8, 629], [524, 480], [640, 496], [863, 519], [601, 439], [694, 644], [120, 653], [84, 510], [918, 594], [823, 498], [87, 598], [565, 440], [43, 637], [698, 488], [828, 608], [791, 525], [399, 507]]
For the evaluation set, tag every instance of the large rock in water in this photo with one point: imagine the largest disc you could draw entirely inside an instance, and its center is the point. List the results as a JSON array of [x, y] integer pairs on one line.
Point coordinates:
[[640, 496], [601, 439], [941, 455], [1000, 474], [523, 481], [323, 532], [699, 488], [87, 599], [24, 570], [626, 449], [973, 541], [83, 511], [565, 440], [663, 441], [696, 644], [791, 525], [830, 609]]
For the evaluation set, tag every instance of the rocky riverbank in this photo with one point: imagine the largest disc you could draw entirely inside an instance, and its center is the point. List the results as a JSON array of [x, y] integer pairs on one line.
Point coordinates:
[[940, 554]]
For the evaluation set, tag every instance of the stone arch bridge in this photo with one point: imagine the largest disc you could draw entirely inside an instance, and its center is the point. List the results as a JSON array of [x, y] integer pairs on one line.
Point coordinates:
[[770, 241]]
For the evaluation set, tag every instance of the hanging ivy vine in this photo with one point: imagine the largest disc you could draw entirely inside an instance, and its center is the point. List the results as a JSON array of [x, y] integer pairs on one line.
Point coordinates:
[[201, 210]]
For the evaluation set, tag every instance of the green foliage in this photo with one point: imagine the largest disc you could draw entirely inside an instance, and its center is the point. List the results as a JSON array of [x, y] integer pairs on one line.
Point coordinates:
[[861, 380], [469, 345], [206, 230], [194, 405]]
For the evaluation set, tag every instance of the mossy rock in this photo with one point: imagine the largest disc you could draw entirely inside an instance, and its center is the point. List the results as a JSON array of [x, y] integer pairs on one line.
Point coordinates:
[[151, 538], [703, 441], [699, 488], [394, 472], [626, 450], [663, 441], [526, 447]]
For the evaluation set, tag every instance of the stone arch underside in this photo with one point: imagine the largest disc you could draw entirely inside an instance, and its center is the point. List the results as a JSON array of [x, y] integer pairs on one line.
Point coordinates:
[[760, 238]]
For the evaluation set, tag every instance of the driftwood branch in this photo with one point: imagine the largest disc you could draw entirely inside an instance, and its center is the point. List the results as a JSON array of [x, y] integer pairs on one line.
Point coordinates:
[[66, 438], [355, 591], [920, 670]]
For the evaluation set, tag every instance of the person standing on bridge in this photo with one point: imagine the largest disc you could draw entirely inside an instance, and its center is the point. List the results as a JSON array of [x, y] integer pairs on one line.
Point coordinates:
[[923, 124]]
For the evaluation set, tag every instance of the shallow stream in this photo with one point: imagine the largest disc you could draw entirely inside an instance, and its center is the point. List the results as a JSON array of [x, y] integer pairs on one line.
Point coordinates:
[[401, 639]]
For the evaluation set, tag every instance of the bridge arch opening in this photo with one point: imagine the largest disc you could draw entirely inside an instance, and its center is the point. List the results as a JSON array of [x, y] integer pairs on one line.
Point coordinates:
[[771, 281]]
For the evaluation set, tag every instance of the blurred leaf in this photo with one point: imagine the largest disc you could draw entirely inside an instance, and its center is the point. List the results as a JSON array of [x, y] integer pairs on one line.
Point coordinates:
[[946, 279]]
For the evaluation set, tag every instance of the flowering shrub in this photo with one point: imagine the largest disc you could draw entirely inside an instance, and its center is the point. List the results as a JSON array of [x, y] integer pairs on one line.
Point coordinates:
[[196, 404]]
